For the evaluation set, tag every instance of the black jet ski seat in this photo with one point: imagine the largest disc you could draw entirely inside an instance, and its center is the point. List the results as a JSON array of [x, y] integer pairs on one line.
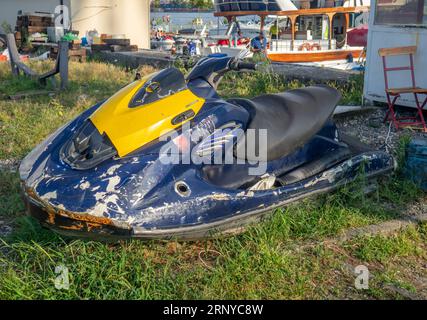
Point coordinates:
[[291, 118]]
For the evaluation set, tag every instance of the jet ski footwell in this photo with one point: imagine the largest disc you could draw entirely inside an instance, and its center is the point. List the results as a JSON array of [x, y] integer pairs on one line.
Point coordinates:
[[84, 225]]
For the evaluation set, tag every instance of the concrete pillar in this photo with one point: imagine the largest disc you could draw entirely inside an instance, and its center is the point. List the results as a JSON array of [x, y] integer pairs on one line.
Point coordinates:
[[128, 17]]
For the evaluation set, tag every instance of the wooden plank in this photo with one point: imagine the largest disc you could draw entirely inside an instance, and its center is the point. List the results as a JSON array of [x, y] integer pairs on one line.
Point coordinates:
[[78, 52], [37, 14], [117, 42], [26, 23], [395, 91], [100, 47], [39, 24], [44, 44], [75, 46], [37, 29], [79, 55], [39, 40], [30, 93], [115, 48], [397, 51]]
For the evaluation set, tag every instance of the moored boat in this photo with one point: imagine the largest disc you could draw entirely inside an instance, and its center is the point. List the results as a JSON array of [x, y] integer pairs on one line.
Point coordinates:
[[315, 56], [304, 33]]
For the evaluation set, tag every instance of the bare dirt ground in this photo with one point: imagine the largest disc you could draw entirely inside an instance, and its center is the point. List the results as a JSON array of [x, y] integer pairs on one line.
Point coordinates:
[[370, 128]]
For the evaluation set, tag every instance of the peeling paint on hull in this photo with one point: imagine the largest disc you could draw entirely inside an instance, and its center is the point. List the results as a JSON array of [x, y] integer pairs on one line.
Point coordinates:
[[103, 227], [136, 196]]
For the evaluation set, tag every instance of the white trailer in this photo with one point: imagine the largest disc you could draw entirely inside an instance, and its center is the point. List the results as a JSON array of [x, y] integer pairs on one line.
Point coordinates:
[[396, 23]]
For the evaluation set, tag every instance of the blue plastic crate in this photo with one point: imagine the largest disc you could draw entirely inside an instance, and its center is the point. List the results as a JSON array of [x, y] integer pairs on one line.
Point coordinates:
[[416, 162]]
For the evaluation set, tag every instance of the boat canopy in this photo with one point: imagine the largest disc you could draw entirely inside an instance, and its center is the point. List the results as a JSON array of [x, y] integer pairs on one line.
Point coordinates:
[[253, 5]]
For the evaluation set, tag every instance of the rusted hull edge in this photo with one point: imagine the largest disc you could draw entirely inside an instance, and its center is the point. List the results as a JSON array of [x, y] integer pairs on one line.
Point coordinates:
[[73, 222]]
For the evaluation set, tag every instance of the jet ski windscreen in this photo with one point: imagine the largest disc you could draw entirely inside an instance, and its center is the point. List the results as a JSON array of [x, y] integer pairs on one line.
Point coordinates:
[[164, 84], [87, 148]]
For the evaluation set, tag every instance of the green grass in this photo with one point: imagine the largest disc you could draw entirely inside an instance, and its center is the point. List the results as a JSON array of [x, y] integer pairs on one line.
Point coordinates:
[[397, 260], [281, 258], [383, 250], [27, 122], [10, 200], [263, 263], [252, 84]]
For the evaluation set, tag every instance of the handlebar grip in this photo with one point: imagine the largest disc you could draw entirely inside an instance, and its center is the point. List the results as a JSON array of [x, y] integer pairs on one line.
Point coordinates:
[[246, 65]]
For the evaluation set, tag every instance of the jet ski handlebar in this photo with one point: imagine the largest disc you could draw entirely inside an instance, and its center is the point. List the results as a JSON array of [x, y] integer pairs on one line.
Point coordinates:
[[239, 66], [213, 69]]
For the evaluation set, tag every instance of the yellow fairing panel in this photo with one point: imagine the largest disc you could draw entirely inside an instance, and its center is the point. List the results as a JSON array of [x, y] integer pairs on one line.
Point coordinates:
[[131, 128]]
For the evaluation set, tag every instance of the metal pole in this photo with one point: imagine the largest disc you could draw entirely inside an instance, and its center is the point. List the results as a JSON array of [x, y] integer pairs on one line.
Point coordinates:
[[13, 53], [63, 63], [217, 27], [277, 33]]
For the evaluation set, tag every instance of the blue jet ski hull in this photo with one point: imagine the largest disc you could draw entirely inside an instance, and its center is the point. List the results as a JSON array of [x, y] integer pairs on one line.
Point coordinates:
[[103, 203], [104, 176]]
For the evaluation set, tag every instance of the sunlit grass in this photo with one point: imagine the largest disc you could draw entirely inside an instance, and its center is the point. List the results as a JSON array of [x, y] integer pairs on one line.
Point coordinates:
[[25, 123], [265, 262]]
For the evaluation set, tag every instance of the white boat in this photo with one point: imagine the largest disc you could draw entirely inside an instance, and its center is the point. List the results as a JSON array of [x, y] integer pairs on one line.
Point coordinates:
[[305, 35]]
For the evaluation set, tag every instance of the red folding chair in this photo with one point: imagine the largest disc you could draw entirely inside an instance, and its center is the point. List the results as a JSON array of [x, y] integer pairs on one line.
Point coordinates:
[[394, 93]]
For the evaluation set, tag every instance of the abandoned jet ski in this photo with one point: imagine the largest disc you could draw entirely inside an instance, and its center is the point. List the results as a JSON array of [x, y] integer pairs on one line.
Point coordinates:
[[167, 158]]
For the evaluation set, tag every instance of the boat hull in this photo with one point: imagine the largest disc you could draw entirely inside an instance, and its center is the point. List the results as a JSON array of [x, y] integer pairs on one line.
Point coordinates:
[[313, 56], [375, 164]]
